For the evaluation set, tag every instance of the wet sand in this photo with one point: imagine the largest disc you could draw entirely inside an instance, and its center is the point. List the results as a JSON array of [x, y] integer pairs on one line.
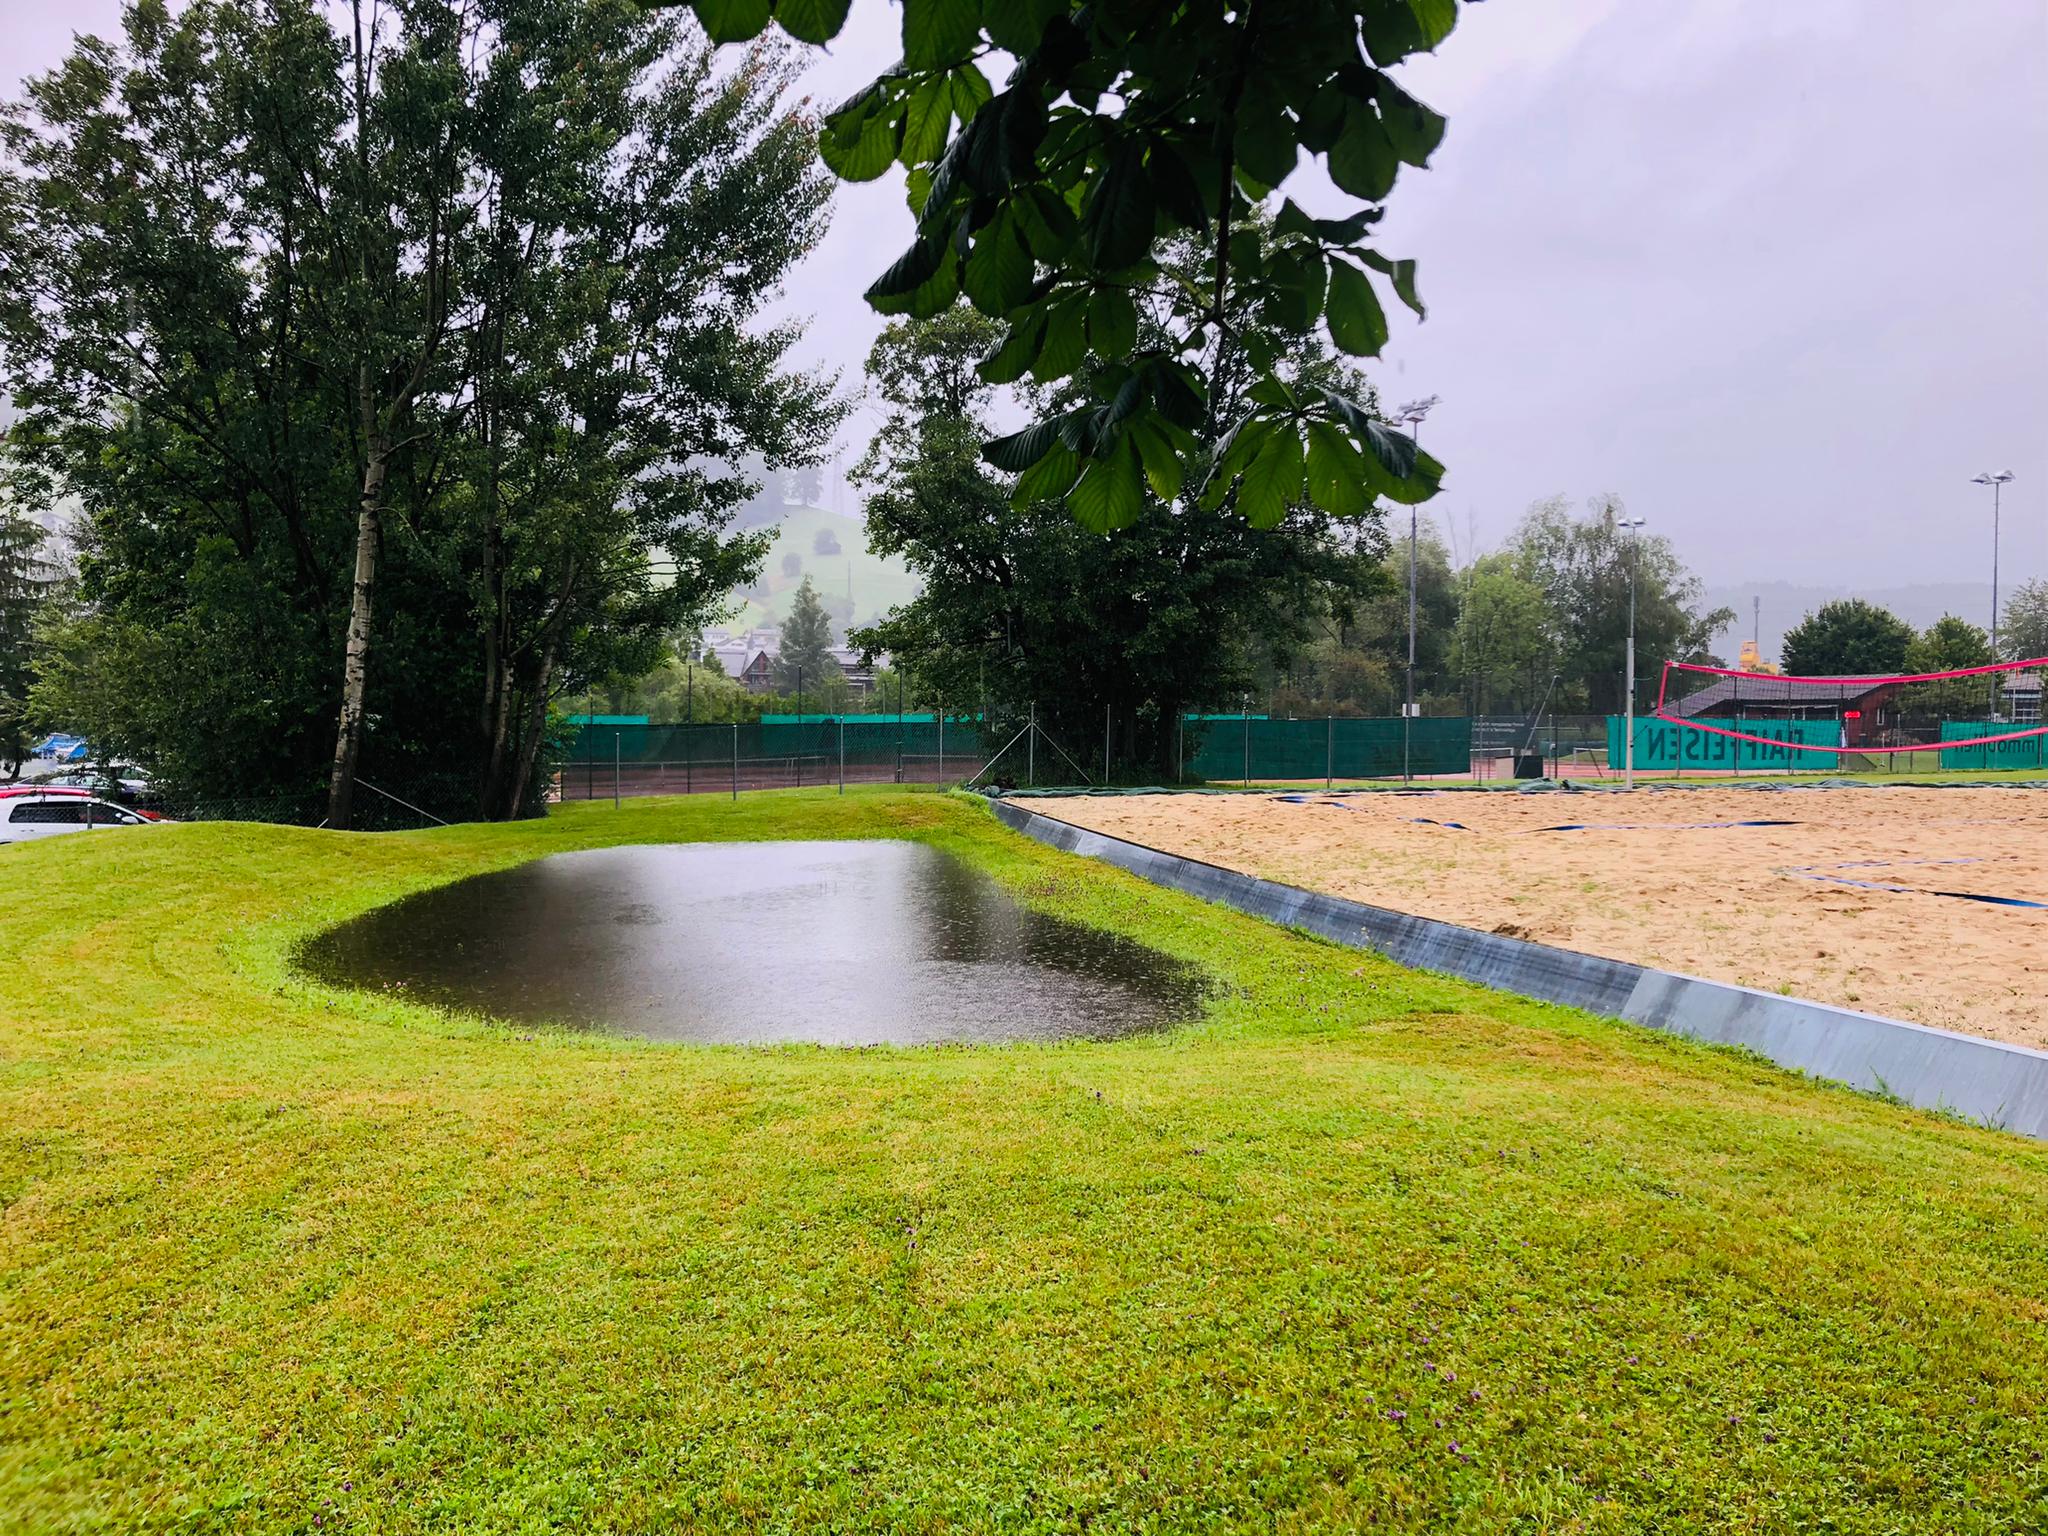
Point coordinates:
[[1659, 877]]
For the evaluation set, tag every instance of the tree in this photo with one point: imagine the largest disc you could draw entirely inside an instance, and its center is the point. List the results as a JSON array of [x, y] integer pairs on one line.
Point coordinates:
[[2023, 628], [1585, 568], [1505, 648], [1360, 667], [1950, 644], [1122, 130], [1848, 638], [548, 277], [805, 664], [804, 486], [1025, 607], [29, 583]]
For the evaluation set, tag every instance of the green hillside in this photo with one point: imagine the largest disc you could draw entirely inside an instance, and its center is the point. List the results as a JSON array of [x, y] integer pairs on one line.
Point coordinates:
[[875, 584]]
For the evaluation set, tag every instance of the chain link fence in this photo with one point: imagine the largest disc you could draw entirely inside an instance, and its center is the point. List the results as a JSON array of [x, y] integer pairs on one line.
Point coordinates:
[[620, 761]]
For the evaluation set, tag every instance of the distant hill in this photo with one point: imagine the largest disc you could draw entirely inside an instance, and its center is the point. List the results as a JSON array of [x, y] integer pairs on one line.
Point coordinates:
[[1786, 604], [845, 574]]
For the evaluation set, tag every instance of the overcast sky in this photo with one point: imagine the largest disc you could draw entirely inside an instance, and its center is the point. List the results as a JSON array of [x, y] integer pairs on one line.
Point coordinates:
[[1772, 272]]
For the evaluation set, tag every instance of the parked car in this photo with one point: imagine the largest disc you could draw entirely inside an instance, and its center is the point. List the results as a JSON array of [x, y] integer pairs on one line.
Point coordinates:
[[40, 811], [129, 786]]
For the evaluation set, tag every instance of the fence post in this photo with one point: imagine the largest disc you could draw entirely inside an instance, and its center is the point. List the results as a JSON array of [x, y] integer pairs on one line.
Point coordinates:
[[1031, 748], [842, 754], [1244, 717], [615, 769], [1105, 746], [1329, 752], [942, 744], [1180, 747], [735, 760]]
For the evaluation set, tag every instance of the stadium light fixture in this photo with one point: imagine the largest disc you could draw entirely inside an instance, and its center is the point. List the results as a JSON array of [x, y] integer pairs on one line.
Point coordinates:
[[1411, 416], [1997, 483]]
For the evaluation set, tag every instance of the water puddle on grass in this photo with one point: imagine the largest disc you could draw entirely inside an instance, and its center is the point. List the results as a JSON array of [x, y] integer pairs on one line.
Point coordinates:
[[839, 943]]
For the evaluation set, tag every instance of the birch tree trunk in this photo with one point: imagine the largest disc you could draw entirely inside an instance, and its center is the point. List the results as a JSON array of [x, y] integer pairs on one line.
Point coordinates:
[[348, 738]]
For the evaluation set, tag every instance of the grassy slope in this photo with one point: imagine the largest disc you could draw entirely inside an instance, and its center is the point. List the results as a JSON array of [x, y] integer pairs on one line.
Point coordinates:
[[879, 582], [269, 1253]]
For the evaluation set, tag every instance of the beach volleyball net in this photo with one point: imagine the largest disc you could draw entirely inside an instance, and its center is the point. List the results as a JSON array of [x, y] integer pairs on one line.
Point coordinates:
[[1988, 714]]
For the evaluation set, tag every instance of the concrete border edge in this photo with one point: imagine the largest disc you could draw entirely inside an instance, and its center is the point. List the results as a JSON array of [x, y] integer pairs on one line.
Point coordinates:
[[1995, 1084]]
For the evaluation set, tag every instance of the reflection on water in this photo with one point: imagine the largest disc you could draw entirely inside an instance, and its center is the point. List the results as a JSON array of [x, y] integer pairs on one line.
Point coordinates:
[[851, 943]]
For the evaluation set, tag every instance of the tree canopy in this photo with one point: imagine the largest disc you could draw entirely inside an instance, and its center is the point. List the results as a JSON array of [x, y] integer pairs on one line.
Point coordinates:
[[2023, 627], [31, 580], [1051, 201], [402, 367], [1585, 567], [1022, 606], [804, 663], [1848, 638]]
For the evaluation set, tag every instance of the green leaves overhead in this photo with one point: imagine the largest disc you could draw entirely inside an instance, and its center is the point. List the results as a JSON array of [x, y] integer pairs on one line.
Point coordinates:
[[861, 139], [940, 33], [734, 21], [1272, 480], [811, 21], [999, 269], [1048, 201], [1117, 222], [1109, 494], [1357, 323]]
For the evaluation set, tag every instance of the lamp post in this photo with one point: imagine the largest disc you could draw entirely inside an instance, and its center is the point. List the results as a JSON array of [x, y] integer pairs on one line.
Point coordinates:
[[1634, 525], [1412, 414], [1997, 484]]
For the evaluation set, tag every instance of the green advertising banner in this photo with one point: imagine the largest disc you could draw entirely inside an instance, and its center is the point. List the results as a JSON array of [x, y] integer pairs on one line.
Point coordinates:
[[2027, 752], [1665, 747]]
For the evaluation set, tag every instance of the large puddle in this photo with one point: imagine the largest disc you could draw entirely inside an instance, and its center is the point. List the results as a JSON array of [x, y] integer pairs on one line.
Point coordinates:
[[854, 943]]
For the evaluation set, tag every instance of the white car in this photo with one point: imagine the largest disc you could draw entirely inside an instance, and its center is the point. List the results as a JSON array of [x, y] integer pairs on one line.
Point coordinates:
[[40, 812]]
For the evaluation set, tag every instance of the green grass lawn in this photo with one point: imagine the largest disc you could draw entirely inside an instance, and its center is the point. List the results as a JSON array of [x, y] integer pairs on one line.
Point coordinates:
[[1364, 1249]]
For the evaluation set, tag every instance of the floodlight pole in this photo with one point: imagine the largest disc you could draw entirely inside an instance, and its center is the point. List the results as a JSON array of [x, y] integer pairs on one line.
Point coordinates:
[[1997, 484], [1628, 749], [1412, 413]]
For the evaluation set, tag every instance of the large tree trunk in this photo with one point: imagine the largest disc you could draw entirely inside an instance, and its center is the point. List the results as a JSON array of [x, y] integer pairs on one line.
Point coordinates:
[[536, 728], [348, 740], [512, 771]]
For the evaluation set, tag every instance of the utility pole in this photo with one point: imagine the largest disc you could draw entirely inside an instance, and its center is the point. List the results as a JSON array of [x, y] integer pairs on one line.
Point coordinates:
[[1412, 413], [1997, 483], [1635, 527]]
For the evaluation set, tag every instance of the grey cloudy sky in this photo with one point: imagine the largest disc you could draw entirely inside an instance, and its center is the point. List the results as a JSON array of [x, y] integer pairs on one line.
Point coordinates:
[[1773, 272]]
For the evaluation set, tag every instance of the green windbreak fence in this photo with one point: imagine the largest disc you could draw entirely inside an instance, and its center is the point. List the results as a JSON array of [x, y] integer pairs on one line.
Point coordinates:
[[1233, 747], [1662, 747], [2027, 752], [607, 760], [603, 760], [811, 737]]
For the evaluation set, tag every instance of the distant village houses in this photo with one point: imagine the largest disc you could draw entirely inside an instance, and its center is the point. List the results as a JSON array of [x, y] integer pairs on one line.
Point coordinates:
[[749, 659]]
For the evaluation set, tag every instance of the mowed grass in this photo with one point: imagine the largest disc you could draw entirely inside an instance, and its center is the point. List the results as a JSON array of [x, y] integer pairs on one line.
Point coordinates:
[[1363, 1249]]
